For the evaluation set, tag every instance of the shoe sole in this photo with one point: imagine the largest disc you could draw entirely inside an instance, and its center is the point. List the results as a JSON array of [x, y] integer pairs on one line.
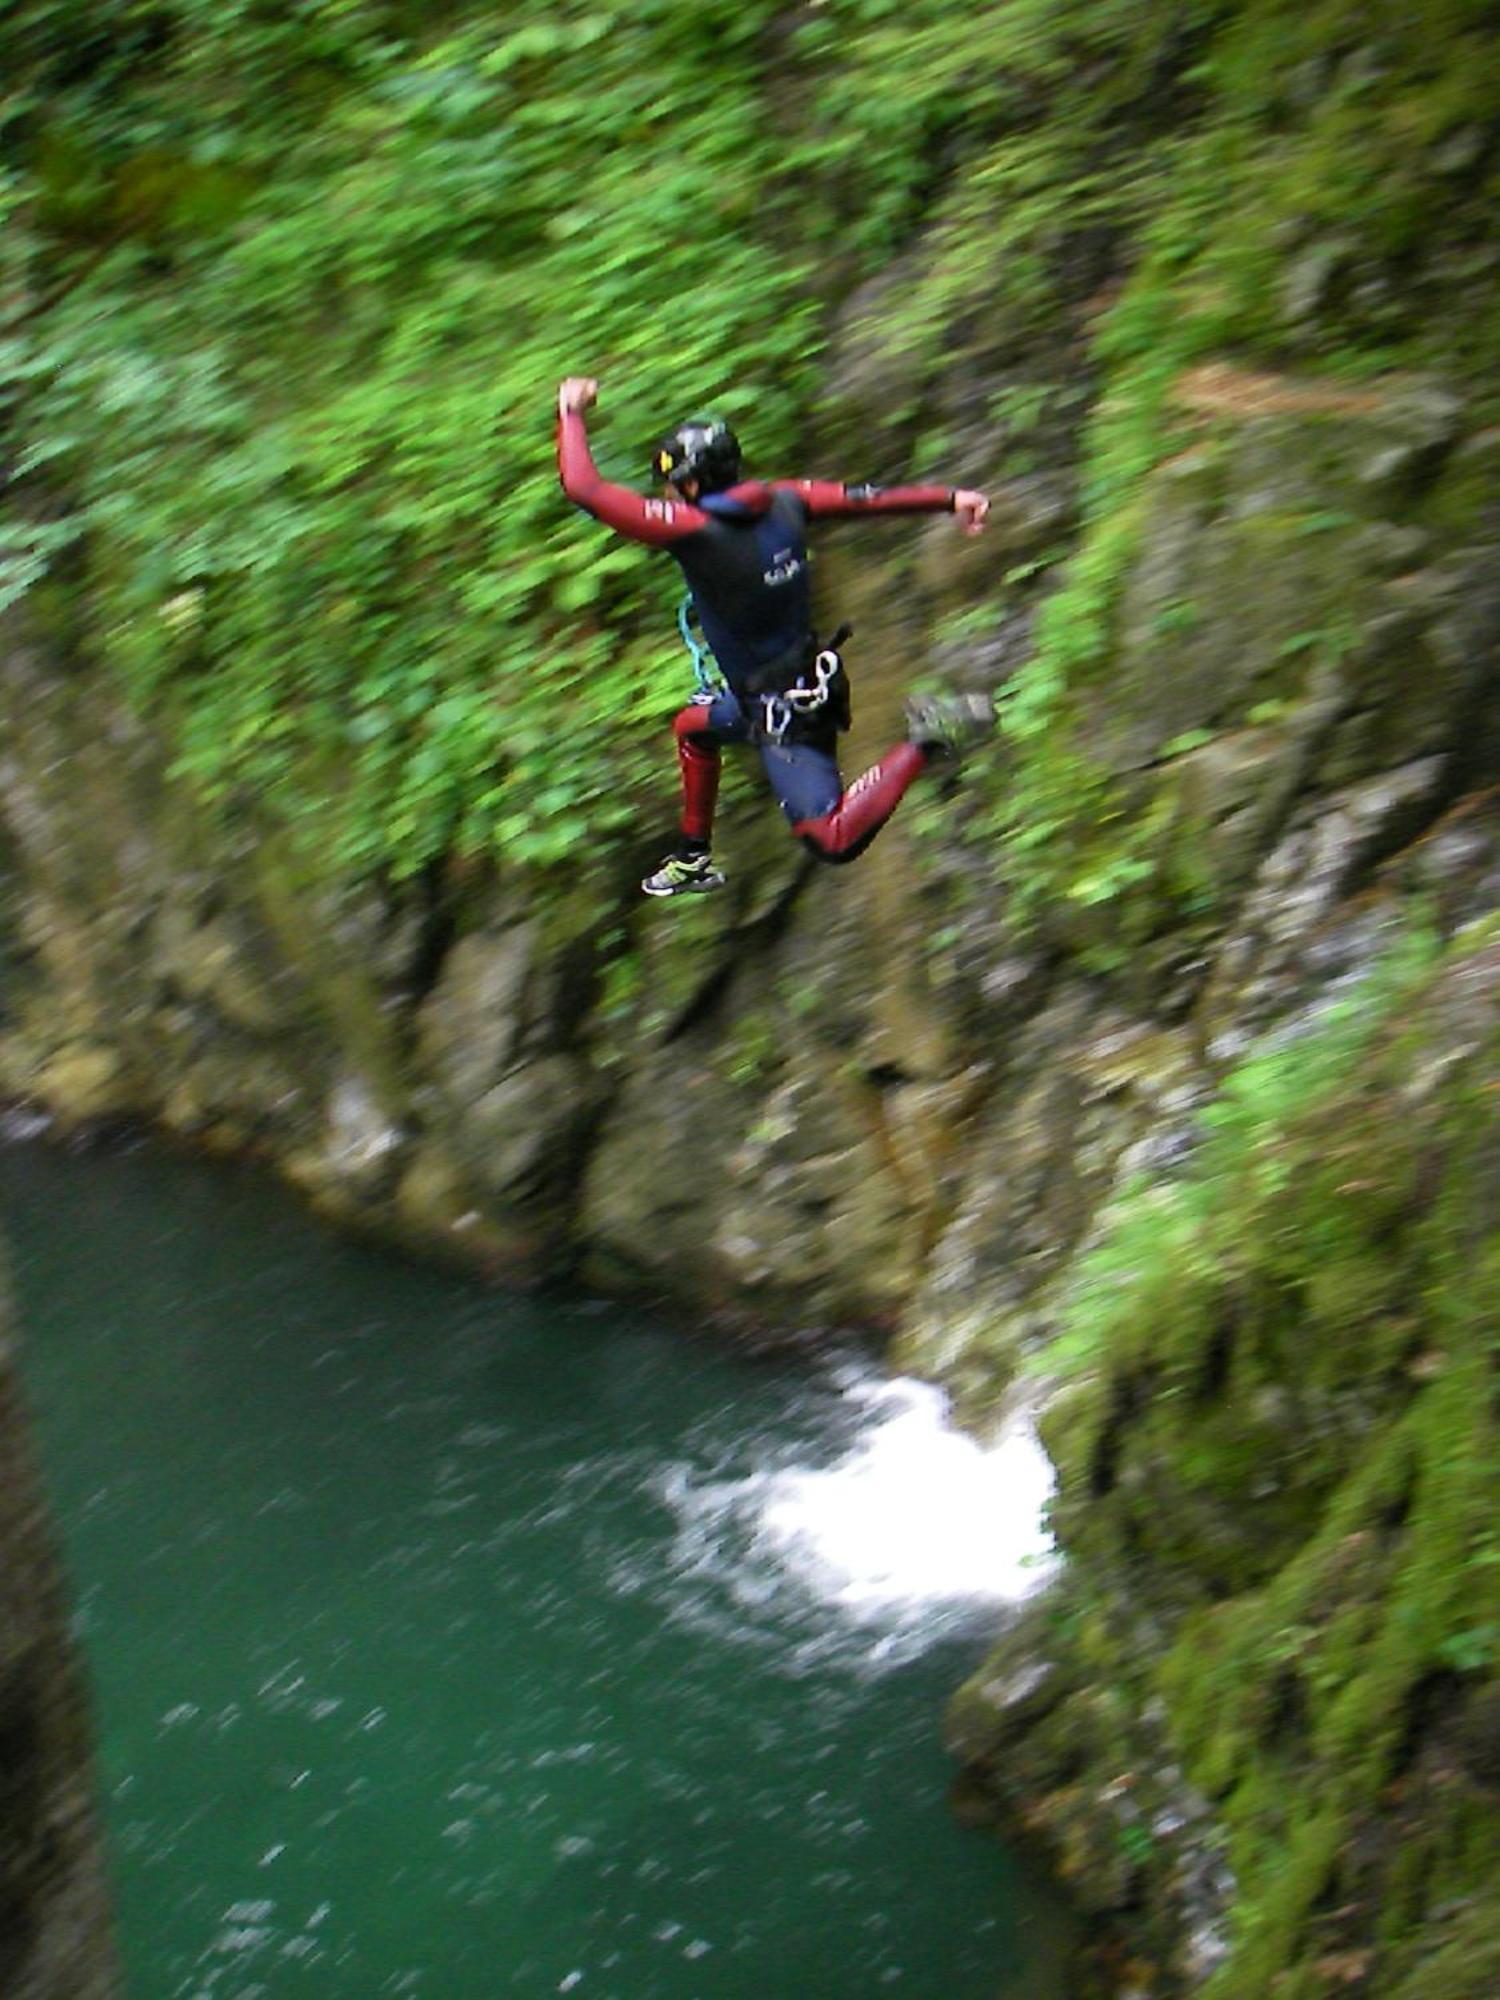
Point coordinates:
[[684, 888], [967, 730]]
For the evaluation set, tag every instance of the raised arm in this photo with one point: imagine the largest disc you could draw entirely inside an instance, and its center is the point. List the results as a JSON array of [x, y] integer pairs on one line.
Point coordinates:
[[827, 498], [658, 523]]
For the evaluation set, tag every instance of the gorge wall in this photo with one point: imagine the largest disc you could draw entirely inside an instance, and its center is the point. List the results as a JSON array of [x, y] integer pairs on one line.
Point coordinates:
[[55, 1935], [859, 1099], [1143, 1072]]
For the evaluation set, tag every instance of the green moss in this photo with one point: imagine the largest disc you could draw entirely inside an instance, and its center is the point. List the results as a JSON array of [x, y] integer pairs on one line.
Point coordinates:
[[1467, 1961], [1467, 496], [1284, 1412], [348, 999]]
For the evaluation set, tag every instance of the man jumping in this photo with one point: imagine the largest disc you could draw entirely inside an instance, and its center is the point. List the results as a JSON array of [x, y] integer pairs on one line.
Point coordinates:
[[743, 549]]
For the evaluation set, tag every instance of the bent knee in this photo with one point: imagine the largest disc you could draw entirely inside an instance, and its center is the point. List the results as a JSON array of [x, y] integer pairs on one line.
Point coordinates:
[[824, 847], [691, 724]]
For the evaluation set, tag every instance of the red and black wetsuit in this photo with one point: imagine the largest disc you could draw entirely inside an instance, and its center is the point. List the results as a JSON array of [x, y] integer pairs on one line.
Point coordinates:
[[744, 555]]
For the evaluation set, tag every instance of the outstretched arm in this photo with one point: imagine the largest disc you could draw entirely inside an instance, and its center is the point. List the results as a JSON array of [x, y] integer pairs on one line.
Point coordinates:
[[658, 523], [826, 498]]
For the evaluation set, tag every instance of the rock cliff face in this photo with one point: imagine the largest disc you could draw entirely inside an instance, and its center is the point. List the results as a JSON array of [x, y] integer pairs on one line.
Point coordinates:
[[55, 1939], [807, 1096], [1209, 1166]]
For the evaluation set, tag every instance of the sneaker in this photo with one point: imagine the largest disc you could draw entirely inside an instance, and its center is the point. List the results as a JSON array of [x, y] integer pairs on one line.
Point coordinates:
[[945, 724], [684, 875]]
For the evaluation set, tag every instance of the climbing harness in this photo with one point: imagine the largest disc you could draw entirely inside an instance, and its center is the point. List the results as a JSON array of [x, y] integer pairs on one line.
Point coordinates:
[[818, 687], [817, 700]]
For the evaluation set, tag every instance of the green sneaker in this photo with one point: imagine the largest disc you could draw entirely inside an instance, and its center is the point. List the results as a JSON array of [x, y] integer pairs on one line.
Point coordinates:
[[684, 875], [946, 724]]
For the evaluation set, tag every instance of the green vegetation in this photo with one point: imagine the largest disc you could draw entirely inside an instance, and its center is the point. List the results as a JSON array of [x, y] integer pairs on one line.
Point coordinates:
[[305, 429], [1166, 1245], [286, 291], [1283, 1409]]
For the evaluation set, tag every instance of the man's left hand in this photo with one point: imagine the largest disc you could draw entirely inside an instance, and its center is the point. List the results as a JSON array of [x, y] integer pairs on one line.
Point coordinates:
[[971, 509]]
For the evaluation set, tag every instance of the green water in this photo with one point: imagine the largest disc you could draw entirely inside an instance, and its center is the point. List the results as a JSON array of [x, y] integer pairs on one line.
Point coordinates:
[[436, 1644]]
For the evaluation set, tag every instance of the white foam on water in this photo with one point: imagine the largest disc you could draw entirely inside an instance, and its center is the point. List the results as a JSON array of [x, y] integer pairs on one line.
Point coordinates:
[[915, 1531], [917, 1512]]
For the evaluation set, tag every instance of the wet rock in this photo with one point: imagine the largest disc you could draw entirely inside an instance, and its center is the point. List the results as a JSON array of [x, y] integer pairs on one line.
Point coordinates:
[[470, 1027], [55, 1929], [1461, 151], [1298, 930], [519, 1138], [437, 1209], [1013, 985], [204, 961], [1003, 1701], [1384, 548], [362, 1141], [1422, 422], [1455, 869], [1311, 279], [83, 1083], [229, 1097]]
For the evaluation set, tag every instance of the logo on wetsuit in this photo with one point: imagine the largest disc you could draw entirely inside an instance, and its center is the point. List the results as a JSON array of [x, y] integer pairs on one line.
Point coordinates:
[[786, 564]]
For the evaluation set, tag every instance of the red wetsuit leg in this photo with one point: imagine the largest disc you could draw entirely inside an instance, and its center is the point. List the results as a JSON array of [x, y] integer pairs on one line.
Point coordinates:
[[698, 762], [864, 808]]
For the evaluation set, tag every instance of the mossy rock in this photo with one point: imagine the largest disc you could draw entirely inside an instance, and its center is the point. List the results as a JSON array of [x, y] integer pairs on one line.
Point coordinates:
[[85, 1083], [1464, 505]]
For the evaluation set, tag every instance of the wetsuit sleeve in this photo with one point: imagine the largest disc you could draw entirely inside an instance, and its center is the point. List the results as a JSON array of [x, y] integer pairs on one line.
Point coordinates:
[[659, 523], [828, 498]]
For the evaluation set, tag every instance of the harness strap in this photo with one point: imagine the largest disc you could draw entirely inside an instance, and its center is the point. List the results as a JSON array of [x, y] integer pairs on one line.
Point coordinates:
[[708, 681]]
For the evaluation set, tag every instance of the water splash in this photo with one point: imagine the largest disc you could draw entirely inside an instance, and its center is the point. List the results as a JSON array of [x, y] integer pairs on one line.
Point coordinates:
[[916, 1512], [914, 1532]]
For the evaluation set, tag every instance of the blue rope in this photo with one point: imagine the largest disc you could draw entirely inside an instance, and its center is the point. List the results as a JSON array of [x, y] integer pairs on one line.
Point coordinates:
[[706, 676]]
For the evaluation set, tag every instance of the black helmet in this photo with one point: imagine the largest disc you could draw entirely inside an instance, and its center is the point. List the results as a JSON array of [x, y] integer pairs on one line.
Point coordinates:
[[703, 449]]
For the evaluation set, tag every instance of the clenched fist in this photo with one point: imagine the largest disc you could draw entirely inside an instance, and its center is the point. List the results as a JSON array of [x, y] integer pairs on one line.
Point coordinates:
[[578, 392]]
